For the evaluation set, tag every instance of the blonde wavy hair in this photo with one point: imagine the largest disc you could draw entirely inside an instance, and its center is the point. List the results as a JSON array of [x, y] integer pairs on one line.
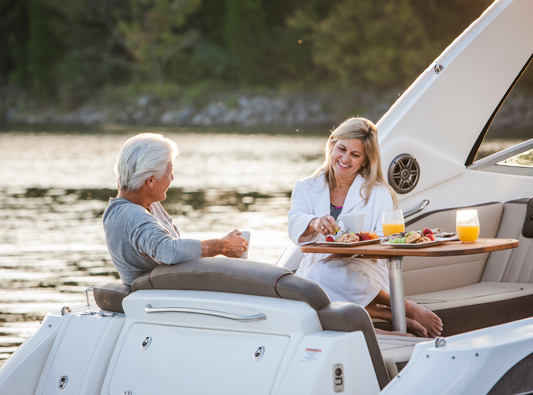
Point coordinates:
[[366, 131]]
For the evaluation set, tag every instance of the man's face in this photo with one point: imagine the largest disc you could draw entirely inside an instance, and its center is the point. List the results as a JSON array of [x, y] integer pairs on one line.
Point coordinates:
[[161, 186]]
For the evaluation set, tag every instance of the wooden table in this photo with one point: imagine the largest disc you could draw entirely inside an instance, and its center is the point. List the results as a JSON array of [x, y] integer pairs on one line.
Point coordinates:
[[394, 256]]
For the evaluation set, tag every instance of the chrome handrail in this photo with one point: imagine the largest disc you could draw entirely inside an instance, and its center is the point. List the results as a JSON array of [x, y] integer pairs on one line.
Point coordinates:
[[221, 314], [415, 210]]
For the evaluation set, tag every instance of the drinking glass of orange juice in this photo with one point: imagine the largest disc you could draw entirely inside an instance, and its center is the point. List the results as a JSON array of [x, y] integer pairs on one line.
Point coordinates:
[[467, 225], [392, 222]]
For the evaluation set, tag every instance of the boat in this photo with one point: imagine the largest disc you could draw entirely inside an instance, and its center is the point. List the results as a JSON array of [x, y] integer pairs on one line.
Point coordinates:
[[230, 326]]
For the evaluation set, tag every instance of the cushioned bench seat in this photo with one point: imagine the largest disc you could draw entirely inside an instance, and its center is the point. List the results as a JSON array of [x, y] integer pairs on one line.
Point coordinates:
[[503, 291], [238, 276]]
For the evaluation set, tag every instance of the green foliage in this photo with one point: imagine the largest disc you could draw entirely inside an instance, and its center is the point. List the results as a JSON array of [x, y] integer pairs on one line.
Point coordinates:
[[74, 49], [377, 43], [245, 32], [154, 35], [45, 47]]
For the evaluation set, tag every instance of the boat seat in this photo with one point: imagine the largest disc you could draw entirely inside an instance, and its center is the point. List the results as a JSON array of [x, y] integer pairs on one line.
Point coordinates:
[[220, 274], [108, 296], [500, 293]]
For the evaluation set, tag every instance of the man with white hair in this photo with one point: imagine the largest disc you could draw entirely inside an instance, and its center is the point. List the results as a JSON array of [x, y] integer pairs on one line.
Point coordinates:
[[139, 233]]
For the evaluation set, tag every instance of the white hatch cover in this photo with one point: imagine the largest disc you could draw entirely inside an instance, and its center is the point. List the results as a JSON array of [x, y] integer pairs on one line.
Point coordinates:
[[197, 361]]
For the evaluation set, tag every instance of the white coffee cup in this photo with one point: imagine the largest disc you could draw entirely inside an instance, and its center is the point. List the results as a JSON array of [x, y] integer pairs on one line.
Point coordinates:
[[246, 234], [353, 222]]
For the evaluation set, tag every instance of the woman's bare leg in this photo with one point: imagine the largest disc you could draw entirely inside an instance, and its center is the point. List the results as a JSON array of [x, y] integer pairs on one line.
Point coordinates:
[[384, 313], [425, 317]]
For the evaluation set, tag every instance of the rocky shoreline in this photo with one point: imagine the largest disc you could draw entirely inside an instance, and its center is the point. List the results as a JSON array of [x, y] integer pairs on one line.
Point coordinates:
[[232, 109]]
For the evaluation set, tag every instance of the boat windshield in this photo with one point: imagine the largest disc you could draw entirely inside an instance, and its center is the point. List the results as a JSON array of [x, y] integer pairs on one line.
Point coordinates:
[[513, 123], [524, 159]]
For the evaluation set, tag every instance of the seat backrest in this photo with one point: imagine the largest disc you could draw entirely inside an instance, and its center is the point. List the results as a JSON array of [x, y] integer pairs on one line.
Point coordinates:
[[423, 275], [515, 265], [291, 257], [108, 296], [220, 274], [240, 276]]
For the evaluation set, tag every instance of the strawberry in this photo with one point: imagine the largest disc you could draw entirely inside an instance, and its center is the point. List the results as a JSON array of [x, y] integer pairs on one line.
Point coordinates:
[[427, 231], [364, 237], [430, 236], [330, 238]]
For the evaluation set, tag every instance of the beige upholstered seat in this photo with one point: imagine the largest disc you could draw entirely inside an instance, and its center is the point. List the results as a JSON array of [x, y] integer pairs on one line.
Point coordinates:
[[476, 291]]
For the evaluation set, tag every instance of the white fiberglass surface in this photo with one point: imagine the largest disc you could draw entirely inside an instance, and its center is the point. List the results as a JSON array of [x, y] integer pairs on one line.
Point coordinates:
[[197, 361], [441, 115]]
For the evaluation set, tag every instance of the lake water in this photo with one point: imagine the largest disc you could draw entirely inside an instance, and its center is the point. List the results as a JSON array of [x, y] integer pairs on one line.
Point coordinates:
[[55, 186]]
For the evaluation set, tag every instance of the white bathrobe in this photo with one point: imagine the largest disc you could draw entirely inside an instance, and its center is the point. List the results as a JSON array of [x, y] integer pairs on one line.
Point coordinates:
[[345, 279]]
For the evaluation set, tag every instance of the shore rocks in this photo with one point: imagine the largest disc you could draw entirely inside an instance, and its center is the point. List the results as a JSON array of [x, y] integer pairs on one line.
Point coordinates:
[[226, 109], [234, 109]]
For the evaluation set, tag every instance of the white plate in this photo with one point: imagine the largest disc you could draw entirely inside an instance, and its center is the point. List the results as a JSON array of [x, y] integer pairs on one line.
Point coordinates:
[[356, 243], [438, 241]]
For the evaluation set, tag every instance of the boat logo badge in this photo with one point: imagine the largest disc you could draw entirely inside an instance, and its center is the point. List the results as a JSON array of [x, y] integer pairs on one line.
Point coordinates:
[[62, 382], [258, 354], [146, 342]]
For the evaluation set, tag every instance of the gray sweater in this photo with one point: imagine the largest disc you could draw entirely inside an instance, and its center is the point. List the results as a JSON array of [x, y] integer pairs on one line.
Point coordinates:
[[138, 240]]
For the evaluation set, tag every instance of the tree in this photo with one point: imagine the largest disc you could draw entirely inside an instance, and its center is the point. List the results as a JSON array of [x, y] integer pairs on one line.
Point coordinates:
[[154, 34], [45, 47], [246, 35], [376, 43]]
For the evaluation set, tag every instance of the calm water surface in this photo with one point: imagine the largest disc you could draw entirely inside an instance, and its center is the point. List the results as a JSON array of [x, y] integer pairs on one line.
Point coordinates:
[[55, 188]]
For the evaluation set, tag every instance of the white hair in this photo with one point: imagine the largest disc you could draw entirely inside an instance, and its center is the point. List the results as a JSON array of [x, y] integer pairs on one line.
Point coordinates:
[[142, 157]]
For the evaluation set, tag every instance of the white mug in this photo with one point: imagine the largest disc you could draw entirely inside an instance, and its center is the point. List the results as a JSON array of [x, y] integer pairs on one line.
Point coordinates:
[[246, 234], [353, 222]]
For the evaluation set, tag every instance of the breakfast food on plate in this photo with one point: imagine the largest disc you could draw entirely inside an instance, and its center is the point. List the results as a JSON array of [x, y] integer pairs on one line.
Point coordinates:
[[347, 238], [415, 237], [351, 237]]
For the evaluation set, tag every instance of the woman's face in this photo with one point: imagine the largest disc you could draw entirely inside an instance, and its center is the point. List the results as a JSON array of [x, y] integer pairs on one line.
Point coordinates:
[[347, 157]]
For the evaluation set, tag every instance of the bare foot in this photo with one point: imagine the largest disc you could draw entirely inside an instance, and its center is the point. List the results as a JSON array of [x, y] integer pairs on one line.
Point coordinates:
[[425, 317], [416, 327], [392, 333]]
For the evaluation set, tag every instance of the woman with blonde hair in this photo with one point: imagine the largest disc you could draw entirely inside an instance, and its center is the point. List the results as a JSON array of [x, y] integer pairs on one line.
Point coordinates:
[[350, 181]]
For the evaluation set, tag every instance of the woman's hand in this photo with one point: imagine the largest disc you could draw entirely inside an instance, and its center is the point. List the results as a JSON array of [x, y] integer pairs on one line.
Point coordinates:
[[325, 225]]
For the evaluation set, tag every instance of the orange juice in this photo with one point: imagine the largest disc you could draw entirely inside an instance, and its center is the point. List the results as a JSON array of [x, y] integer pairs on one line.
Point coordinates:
[[389, 229], [467, 234]]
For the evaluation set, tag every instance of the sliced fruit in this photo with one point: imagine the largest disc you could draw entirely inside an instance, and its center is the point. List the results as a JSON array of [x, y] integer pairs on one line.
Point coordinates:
[[373, 235], [330, 238], [364, 237], [431, 236], [427, 231]]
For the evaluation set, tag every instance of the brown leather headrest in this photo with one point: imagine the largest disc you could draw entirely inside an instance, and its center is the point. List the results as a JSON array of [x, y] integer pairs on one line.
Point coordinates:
[[108, 296], [220, 274]]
